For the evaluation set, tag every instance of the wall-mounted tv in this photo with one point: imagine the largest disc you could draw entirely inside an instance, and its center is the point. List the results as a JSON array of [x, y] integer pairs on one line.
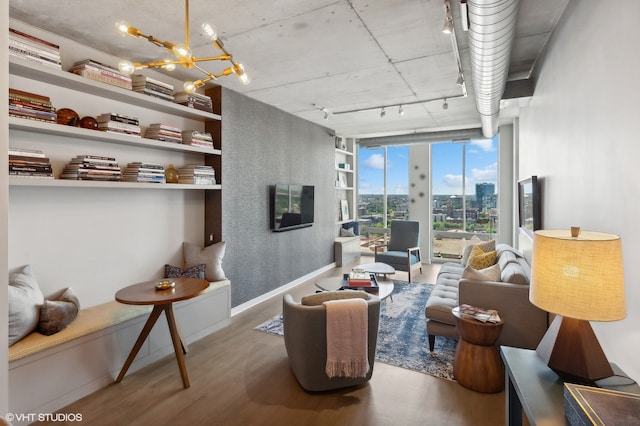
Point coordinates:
[[529, 205], [292, 207]]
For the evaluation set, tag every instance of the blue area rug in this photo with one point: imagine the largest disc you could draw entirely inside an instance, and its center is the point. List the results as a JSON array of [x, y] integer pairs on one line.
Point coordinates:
[[402, 336]]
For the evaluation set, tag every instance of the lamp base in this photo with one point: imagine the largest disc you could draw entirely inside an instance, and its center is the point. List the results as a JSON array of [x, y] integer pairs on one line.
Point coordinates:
[[571, 349]]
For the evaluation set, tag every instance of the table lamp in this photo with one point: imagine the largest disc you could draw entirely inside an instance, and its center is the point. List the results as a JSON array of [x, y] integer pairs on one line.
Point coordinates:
[[579, 277]]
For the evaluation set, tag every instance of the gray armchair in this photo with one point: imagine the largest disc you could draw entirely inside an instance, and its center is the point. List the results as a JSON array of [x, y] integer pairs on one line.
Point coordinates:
[[403, 251], [305, 339]]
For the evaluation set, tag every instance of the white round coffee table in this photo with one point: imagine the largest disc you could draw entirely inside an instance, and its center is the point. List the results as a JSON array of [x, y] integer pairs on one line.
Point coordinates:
[[385, 286], [378, 268]]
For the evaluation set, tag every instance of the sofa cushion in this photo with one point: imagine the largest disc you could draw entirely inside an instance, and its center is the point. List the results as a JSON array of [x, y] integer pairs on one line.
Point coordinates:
[[395, 258], [211, 256], [514, 273], [443, 298], [492, 273], [506, 257], [480, 260]]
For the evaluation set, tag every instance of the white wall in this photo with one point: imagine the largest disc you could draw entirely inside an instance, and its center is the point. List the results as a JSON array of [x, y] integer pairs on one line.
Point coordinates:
[[580, 135]]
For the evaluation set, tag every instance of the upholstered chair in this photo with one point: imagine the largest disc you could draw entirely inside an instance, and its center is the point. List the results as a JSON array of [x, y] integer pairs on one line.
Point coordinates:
[[403, 250], [305, 338]]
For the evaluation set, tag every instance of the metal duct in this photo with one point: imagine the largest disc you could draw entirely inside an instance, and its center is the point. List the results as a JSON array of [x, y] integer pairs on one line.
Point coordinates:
[[492, 26], [447, 135]]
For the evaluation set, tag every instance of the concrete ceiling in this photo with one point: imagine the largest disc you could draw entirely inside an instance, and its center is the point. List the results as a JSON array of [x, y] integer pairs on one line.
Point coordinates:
[[304, 54]]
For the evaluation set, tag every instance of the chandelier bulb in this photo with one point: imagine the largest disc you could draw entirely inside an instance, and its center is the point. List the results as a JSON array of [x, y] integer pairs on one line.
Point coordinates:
[[122, 27], [182, 51], [189, 86], [169, 66], [210, 31], [126, 67]]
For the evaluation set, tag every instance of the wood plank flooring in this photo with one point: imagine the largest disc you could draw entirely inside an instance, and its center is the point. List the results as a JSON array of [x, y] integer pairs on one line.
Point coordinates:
[[240, 376]]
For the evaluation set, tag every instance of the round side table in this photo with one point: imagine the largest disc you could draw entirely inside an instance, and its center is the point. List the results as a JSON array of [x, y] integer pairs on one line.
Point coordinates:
[[477, 364]]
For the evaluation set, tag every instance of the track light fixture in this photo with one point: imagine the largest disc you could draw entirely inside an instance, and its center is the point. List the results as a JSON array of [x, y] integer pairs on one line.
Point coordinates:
[[400, 107], [382, 112], [400, 110], [448, 19], [460, 80], [182, 55], [445, 105]]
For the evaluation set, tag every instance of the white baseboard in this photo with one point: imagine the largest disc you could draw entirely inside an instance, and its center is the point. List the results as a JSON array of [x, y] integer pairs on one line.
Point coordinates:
[[278, 291]]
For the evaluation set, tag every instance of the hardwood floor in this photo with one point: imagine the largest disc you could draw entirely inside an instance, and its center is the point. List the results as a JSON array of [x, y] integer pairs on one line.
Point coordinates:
[[240, 376]]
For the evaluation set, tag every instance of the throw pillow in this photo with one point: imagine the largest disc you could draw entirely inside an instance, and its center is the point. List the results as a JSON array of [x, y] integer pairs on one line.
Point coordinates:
[[193, 272], [210, 256], [347, 232], [323, 296], [480, 260], [485, 246], [492, 273], [56, 315], [25, 299]]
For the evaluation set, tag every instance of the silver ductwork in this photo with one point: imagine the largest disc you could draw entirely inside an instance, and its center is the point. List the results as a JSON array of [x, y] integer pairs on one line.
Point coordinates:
[[411, 138], [491, 33]]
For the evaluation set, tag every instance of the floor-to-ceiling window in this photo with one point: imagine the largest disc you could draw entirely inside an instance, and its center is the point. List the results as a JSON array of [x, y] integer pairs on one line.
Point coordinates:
[[464, 200], [383, 192]]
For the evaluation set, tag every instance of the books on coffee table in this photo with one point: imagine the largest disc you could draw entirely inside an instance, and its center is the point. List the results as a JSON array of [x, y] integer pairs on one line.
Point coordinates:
[[370, 286]]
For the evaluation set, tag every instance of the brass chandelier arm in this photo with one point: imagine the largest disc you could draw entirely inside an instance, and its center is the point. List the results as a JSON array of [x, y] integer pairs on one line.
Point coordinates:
[[183, 54]]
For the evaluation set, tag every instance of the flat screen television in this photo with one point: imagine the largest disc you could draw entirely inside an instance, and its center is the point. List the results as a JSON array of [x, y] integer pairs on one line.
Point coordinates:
[[529, 208], [292, 207]]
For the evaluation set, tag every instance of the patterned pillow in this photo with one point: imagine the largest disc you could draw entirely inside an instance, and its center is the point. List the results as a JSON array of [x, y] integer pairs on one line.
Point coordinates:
[[56, 315], [193, 272], [481, 260], [485, 246]]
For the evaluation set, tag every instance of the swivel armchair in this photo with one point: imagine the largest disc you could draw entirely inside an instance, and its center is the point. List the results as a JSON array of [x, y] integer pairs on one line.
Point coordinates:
[[305, 339]]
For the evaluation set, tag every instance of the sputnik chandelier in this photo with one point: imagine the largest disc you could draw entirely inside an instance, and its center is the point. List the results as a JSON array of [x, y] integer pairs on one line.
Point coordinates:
[[183, 55]]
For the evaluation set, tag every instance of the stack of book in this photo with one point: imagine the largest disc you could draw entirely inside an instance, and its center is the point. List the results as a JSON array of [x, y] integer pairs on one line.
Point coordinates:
[[144, 172], [152, 87], [25, 46], [164, 132], [92, 167], [197, 174], [94, 70], [194, 100], [31, 105], [29, 163], [359, 278], [117, 123], [196, 138]]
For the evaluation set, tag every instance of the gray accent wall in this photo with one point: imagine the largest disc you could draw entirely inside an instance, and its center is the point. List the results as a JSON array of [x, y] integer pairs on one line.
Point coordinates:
[[262, 146]]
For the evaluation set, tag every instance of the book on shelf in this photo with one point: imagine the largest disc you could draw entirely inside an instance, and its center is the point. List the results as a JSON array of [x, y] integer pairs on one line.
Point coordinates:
[[194, 100], [164, 132], [94, 70], [31, 105], [120, 118], [480, 314], [197, 174], [196, 138], [29, 163], [34, 49], [144, 172], [152, 87]]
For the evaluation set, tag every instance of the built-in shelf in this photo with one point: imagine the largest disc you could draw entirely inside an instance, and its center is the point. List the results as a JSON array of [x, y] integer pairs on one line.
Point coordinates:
[[64, 79], [33, 126], [68, 183]]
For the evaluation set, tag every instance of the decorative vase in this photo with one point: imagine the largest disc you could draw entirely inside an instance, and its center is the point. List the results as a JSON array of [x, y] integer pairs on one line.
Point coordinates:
[[171, 175]]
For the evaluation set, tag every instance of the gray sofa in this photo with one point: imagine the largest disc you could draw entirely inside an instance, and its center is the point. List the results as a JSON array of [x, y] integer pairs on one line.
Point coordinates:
[[524, 324]]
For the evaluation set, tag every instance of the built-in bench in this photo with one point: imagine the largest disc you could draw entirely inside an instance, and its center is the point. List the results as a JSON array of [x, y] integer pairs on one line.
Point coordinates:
[[48, 372]]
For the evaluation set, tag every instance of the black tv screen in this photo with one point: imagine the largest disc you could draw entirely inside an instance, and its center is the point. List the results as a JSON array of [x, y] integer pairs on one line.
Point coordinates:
[[292, 206]]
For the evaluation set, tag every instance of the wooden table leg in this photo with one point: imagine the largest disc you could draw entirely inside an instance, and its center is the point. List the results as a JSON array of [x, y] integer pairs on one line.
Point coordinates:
[[157, 310], [178, 347]]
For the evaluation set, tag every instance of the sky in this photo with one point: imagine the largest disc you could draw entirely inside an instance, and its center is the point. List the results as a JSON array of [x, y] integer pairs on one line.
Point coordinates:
[[481, 163]]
